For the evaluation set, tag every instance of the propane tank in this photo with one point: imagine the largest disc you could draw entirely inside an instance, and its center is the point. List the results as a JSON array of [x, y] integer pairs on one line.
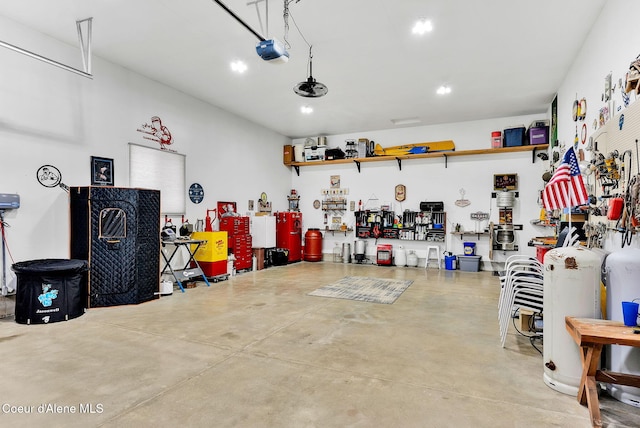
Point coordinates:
[[571, 288], [623, 271], [412, 259]]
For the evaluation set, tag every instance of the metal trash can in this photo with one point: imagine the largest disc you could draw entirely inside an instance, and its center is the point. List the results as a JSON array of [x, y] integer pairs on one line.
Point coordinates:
[[50, 290]]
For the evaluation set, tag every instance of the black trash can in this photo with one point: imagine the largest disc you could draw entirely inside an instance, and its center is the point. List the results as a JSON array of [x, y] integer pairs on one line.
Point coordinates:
[[50, 290]]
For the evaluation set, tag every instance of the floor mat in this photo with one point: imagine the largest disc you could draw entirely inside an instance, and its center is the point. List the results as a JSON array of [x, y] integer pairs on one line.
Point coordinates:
[[374, 290]]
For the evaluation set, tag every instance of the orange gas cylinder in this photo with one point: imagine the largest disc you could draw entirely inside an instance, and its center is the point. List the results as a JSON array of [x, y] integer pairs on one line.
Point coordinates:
[[313, 245]]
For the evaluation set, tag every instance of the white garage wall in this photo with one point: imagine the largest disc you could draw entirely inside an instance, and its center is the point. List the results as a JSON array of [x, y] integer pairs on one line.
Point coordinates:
[[51, 116], [610, 47], [429, 180]]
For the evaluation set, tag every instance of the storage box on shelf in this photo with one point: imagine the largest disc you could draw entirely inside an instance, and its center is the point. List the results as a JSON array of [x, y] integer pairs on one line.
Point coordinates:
[[514, 137], [538, 135]]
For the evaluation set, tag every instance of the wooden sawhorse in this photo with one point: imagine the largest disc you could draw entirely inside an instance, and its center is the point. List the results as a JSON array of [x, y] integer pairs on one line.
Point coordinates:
[[591, 335]]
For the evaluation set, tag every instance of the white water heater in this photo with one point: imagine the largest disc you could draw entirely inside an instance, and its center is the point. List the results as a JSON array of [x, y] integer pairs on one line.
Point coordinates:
[[571, 288], [623, 271]]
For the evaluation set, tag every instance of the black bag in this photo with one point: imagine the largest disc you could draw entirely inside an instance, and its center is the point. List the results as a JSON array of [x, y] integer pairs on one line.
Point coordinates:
[[432, 206], [331, 154]]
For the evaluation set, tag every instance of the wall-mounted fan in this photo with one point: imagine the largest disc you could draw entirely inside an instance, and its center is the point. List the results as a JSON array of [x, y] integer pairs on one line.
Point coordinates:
[[310, 88]]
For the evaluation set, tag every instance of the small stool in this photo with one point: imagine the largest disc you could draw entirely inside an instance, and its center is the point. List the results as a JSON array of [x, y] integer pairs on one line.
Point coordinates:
[[435, 249]]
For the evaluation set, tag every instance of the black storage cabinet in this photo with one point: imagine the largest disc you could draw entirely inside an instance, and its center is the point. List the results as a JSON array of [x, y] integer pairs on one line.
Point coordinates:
[[117, 229], [50, 290]]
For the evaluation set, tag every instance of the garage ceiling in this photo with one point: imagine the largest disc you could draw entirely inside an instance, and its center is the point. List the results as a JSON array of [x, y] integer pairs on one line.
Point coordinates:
[[500, 57]]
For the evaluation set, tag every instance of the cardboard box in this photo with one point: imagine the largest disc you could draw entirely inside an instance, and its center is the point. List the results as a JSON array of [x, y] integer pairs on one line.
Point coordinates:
[[287, 154], [526, 320]]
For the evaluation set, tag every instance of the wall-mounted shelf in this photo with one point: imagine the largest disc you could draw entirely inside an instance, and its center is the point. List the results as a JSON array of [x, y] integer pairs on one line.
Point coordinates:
[[476, 234], [334, 231], [340, 205], [446, 155]]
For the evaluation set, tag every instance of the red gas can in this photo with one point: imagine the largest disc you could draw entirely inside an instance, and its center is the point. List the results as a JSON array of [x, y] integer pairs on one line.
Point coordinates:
[[615, 208]]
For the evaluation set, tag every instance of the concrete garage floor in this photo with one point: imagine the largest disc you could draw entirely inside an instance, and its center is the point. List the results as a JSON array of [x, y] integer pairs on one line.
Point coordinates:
[[256, 351]]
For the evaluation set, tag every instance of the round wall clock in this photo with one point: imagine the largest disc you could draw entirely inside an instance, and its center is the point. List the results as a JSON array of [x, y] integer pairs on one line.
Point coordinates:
[[196, 193], [401, 192], [316, 204]]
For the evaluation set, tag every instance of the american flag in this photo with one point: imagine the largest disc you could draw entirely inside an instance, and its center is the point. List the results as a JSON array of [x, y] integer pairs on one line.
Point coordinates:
[[566, 188]]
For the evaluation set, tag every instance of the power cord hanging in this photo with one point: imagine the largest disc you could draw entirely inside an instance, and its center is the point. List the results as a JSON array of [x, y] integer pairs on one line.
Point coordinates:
[[532, 337], [285, 15]]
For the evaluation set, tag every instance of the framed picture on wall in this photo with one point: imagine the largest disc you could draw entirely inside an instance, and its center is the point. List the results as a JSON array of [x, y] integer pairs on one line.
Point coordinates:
[[505, 182], [101, 171]]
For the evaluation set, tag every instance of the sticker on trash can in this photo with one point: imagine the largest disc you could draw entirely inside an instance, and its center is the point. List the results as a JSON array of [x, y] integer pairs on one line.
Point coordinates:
[[47, 296]]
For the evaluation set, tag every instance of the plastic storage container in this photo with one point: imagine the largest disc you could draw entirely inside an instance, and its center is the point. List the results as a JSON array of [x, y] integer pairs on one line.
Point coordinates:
[[469, 263], [496, 139], [538, 135], [514, 137]]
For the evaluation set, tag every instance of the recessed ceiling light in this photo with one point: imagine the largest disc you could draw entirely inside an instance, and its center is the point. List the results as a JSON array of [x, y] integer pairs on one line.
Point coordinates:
[[306, 109], [443, 90], [238, 66], [421, 27], [405, 121]]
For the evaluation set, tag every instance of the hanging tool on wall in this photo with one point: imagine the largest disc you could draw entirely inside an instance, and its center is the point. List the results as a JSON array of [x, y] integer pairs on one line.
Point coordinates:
[[628, 221]]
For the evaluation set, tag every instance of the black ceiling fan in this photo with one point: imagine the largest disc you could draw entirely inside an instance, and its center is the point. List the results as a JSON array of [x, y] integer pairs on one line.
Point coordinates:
[[310, 88]]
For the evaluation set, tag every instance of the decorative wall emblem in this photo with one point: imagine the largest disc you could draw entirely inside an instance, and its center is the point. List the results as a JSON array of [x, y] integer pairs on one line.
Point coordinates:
[[50, 176], [157, 132]]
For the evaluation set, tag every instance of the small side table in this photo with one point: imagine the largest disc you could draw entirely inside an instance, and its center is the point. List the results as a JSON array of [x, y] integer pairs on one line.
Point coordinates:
[[187, 272]]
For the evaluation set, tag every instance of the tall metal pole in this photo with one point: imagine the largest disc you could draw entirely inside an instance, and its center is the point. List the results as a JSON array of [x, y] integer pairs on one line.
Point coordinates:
[[4, 259]]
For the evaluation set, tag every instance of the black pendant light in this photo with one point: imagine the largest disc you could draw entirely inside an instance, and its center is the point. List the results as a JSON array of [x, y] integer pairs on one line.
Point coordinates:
[[310, 88]]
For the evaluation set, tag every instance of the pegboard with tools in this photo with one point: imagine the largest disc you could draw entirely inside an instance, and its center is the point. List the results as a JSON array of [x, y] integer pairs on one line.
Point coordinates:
[[612, 176]]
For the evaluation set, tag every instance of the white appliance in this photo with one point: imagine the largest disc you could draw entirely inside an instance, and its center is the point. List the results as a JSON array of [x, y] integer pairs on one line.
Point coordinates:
[[571, 287], [623, 270], [263, 231]]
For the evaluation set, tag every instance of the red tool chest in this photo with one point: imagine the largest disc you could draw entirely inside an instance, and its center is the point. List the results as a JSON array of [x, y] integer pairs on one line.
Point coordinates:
[[239, 240]]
